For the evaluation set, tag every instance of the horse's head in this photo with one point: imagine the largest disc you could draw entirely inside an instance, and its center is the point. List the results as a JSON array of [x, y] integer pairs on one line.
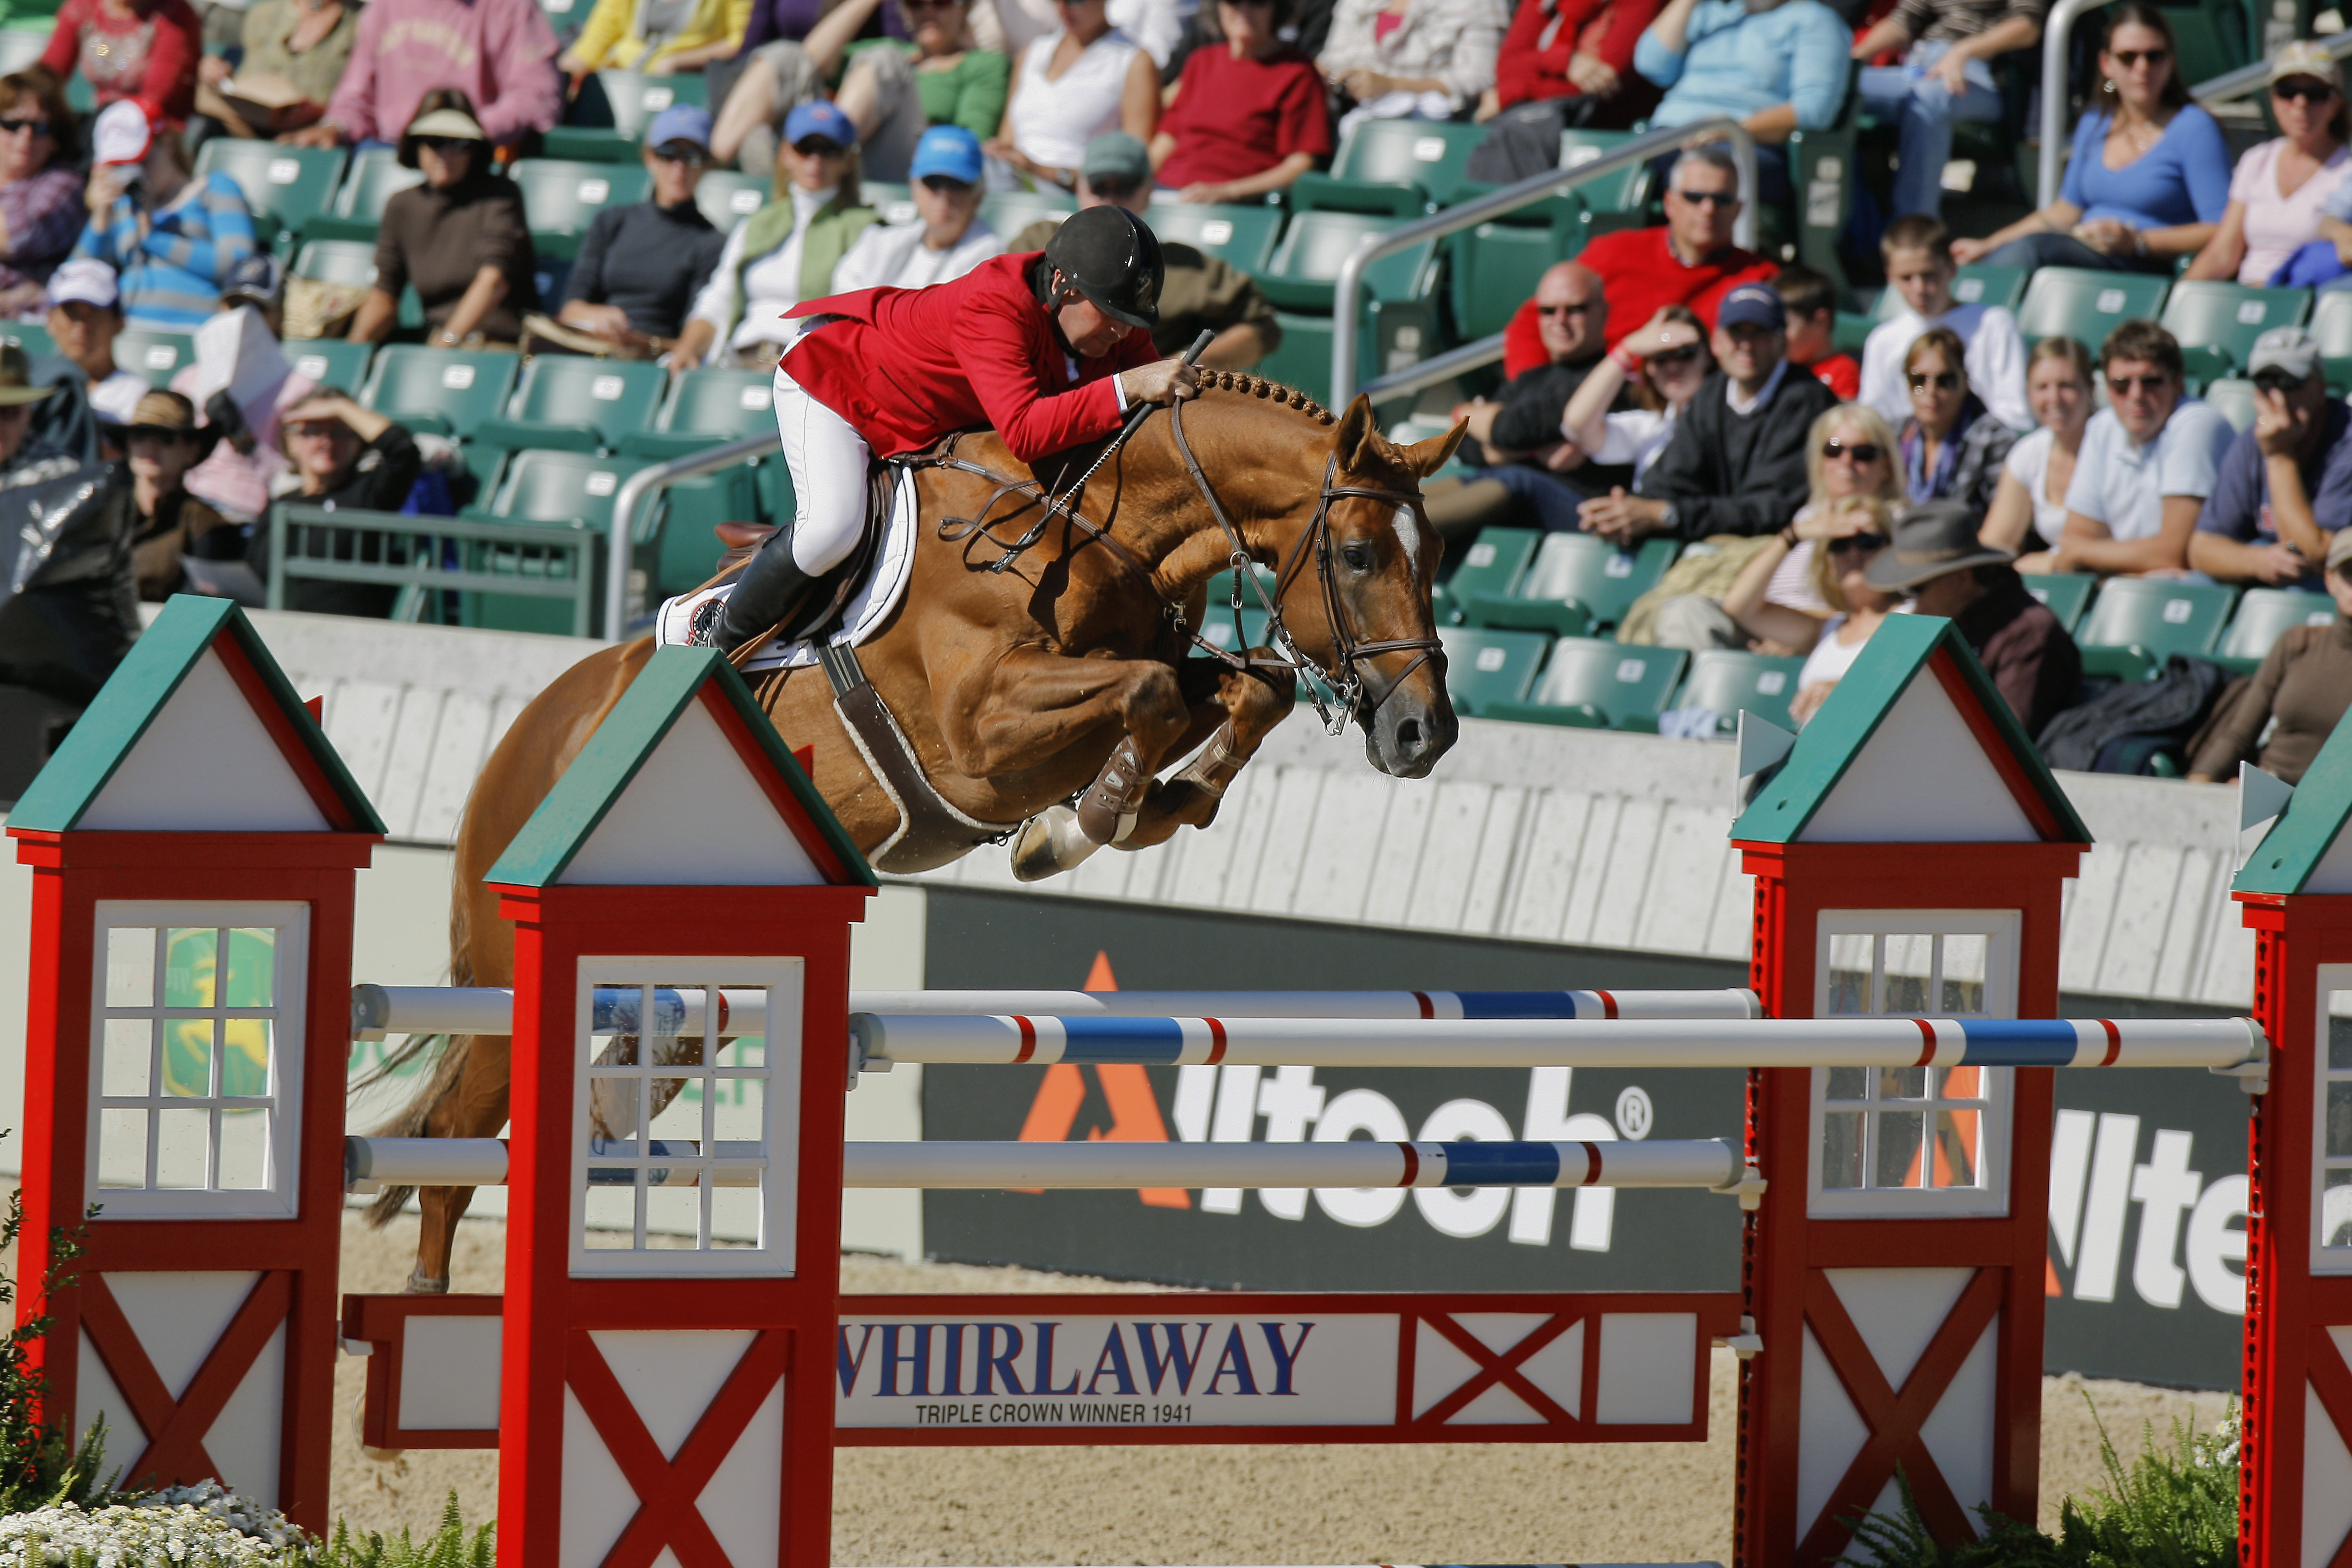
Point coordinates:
[[1377, 561]]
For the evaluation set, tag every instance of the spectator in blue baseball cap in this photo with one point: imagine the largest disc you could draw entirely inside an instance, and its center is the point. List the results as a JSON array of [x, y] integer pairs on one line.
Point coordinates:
[[640, 266], [784, 253], [946, 241]]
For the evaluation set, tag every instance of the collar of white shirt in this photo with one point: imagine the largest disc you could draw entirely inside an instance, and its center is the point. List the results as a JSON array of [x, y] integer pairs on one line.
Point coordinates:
[[1743, 406]]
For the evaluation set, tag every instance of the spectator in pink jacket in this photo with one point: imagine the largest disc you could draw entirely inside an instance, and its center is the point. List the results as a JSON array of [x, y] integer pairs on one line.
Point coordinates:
[[500, 53]]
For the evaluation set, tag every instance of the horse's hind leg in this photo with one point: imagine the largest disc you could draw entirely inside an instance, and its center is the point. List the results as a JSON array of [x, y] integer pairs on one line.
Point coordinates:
[[475, 1108]]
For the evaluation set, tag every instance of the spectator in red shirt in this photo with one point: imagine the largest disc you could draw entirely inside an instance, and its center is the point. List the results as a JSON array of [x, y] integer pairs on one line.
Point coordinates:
[[1690, 261], [1249, 116], [1575, 50], [141, 50], [1811, 300]]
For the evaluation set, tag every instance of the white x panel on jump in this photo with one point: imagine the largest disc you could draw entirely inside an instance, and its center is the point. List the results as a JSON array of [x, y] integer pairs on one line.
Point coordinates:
[[2326, 1470], [178, 1317], [1897, 1311]]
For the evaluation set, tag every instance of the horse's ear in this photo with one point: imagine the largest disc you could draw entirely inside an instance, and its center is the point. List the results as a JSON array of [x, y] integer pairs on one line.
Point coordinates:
[[1425, 458], [1360, 435]]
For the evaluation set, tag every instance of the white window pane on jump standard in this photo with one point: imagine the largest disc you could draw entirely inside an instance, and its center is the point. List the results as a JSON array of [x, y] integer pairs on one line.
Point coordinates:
[[196, 1047], [1909, 1139], [677, 1115], [2331, 1242]]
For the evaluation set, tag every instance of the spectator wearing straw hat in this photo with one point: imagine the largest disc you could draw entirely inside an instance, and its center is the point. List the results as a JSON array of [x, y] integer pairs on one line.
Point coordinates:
[[1934, 556], [639, 266], [169, 237], [461, 238]]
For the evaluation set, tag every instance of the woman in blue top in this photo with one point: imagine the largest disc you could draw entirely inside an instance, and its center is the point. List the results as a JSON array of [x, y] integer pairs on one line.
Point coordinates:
[[2149, 177]]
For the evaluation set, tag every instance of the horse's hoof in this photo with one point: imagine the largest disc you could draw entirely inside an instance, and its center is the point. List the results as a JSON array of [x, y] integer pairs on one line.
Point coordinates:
[[1049, 842], [420, 1284]]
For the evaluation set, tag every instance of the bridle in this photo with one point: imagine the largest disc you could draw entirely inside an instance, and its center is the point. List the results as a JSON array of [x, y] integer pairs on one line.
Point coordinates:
[[1342, 678]]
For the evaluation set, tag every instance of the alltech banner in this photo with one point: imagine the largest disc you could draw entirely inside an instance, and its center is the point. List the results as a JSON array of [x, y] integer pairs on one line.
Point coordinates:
[[2146, 1237]]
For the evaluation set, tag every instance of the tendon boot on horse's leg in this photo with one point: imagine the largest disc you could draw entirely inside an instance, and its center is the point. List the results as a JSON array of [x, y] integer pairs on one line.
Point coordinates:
[[1106, 811], [1050, 842], [1219, 764], [770, 586]]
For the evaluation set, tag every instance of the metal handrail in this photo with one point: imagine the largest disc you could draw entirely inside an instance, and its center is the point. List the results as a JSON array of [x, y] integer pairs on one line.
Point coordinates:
[[1348, 292], [1431, 372], [2246, 79], [643, 483], [2055, 31]]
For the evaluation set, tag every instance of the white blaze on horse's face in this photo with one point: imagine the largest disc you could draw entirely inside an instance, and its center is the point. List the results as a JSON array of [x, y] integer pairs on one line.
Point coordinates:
[[1408, 534]]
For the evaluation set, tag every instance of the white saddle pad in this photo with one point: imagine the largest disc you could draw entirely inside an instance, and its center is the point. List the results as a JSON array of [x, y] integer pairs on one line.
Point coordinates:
[[868, 607]]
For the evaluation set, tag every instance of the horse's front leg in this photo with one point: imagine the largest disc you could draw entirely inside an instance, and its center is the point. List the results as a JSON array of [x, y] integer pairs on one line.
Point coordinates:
[[1229, 723]]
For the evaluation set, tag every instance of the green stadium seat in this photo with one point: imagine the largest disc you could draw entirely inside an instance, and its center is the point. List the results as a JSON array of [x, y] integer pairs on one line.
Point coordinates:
[[685, 552], [1594, 684], [566, 490], [2217, 322], [1401, 168], [1400, 317], [572, 403], [330, 361], [2209, 41], [1009, 212], [441, 390], [706, 408], [346, 262], [2067, 595], [2264, 616], [1241, 236], [2233, 399], [2137, 623], [31, 336], [2331, 323], [1492, 565], [1483, 669], [1492, 269], [1731, 682], [285, 187], [1623, 191], [727, 197], [1577, 583], [605, 127], [2002, 286], [2084, 304], [561, 198], [156, 356], [374, 177]]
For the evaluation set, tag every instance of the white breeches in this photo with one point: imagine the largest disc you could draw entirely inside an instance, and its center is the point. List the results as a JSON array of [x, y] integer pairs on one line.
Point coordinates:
[[828, 460]]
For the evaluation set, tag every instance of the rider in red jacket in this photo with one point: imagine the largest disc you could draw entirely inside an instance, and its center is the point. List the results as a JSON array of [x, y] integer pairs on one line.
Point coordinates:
[[1051, 349]]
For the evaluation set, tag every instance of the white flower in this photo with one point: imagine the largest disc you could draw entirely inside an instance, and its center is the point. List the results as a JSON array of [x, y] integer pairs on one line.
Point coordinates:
[[202, 1526]]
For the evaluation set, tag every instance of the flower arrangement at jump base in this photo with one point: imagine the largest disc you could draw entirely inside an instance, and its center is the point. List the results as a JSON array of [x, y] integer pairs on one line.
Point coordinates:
[[202, 1526]]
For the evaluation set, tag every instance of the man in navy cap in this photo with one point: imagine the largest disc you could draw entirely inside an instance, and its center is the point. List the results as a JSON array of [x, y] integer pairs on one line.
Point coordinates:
[[640, 266], [949, 240], [1736, 462]]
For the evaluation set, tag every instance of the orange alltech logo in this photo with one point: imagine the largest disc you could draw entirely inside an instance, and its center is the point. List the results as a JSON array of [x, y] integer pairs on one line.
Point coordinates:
[[1120, 1108]]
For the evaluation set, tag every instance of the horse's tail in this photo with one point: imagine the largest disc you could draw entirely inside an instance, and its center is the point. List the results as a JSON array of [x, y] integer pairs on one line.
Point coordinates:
[[448, 1054]]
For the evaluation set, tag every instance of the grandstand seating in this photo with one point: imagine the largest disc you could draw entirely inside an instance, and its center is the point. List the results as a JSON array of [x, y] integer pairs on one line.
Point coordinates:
[[1400, 317], [2067, 595], [441, 390], [1593, 684], [1730, 682], [1576, 581], [1399, 167], [1009, 212], [609, 118], [566, 490], [1490, 670], [706, 406], [561, 198], [2264, 616], [1617, 193], [2217, 323], [331, 362], [31, 336], [1492, 268], [374, 176], [2085, 305], [2232, 398], [156, 356], [1491, 566], [728, 197], [2137, 623], [284, 186], [1242, 237], [570, 403]]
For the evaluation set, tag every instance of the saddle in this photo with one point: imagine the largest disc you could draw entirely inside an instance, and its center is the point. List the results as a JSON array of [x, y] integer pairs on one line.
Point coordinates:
[[819, 609]]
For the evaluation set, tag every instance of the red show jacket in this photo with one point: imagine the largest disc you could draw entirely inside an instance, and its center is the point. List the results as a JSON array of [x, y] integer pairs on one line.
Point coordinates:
[[911, 365]]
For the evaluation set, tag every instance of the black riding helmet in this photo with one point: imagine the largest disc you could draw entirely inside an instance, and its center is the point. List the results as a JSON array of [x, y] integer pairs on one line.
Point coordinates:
[[1109, 255]]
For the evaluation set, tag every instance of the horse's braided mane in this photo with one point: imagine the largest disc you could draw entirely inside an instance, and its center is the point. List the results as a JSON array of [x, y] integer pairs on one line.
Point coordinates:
[[1259, 387]]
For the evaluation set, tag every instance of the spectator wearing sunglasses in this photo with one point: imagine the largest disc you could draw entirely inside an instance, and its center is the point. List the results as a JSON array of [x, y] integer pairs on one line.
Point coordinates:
[[1198, 292], [2298, 697], [1248, 118], [164, 522], [784, 253], [1951, 445], [1735, 461], [1919, 270], [461, 238], [2282, 187], [2149, 179], [1778, 603], [948, 241], [2147, 462], [640, 266], [41, 209], [1843, 539], [1934, 555], [2285, 490]]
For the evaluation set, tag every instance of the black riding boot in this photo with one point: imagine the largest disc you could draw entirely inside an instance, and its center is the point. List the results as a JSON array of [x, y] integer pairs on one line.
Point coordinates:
[[770, 587]]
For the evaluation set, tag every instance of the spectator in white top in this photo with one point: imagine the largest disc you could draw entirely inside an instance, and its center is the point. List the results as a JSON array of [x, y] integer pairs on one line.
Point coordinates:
[[1069, 86], [2029, 509], [2280, 187], [1667, 361], [2147, 464], [1841, 540], [1427, 59], [85, 318], [1919, 267], [948, 241]]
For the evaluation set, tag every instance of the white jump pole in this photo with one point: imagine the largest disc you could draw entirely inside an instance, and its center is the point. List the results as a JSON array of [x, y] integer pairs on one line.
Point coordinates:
[[379, 1010], [1710, 1164], [2218, 1043]]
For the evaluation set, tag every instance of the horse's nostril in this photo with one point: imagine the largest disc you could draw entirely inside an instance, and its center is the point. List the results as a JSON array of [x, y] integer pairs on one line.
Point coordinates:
[[1408, 734]]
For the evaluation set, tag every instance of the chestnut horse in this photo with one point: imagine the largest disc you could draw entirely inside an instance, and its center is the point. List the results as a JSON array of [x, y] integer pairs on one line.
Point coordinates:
[[1019, 688]]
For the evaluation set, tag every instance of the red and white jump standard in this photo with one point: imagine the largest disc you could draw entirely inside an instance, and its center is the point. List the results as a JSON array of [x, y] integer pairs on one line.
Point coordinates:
[[194, 844]]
